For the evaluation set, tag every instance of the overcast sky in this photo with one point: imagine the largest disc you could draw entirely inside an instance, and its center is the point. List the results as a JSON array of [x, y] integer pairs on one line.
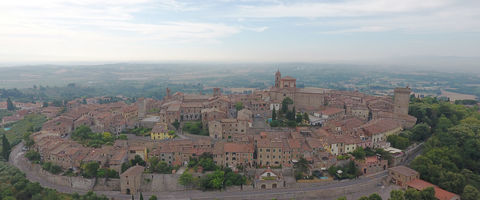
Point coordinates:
[[244, 30]]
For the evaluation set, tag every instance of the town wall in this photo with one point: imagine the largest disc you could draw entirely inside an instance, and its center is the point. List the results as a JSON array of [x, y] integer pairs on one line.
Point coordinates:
[[161, 183], [105, 184], [72, 181], [321, 193]]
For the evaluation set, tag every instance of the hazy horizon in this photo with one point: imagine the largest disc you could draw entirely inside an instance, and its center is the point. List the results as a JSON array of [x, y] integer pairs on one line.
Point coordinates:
[[376, 32]]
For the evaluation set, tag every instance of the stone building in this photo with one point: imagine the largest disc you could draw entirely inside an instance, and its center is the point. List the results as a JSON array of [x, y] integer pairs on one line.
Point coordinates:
[[371, 165], [401, 175], [131, 180], [191, 111], [160, 132], [273, 152], [227, 128], [377, 131], [401, 100], [233, 154], [303, 98], [268, 179], [211, 114]]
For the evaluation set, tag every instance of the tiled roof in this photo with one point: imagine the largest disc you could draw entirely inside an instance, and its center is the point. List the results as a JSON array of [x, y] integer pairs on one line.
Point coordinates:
[[440, 193], [404, 170], [381, 126], [133, 171], [234, 147], [331, 111]]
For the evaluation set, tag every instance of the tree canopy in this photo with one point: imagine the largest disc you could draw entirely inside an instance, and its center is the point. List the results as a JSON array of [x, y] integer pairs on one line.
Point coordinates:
[[451, 158]]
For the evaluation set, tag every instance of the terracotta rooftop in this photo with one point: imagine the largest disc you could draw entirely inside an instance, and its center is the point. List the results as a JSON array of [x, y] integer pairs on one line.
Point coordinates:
[[234, 147], [192, 105], [380, 126], [134, 171], [159, 129], [404, 170], [332, 110], [440, 193]]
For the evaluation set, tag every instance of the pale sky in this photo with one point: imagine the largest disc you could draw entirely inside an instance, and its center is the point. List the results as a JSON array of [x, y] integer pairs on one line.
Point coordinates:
[[244, 30]]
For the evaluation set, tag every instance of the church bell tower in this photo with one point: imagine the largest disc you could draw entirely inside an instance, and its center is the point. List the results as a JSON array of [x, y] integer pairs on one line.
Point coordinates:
[[278, 76]]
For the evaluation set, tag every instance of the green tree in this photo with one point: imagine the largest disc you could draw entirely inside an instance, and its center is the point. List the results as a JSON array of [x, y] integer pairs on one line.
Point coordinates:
[[45, 104], [239, 106], [420, 132], [306, 117], [275, 123], [299, 118], [397, 195], [186, 179], [452, 181], [5, 147], [374, 196], [213, 181], [359, 153], [398, 141], [153, 197], [90, 169], [285, 102], [443, 123], [10, 105], [412, 194], [274, 114], [158, 166], [176, 124], [291, 123], [428, 194], [141, 196], [470, 193], [342, 198], [32, 155]]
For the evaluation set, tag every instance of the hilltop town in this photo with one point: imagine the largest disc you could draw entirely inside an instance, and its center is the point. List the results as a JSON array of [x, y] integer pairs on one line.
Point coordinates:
[[281, 137]]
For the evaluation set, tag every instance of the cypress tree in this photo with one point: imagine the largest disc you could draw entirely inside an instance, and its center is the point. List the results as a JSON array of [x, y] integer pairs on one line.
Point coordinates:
[[10, 105], [305, 116], [5, 147], [274, 114]]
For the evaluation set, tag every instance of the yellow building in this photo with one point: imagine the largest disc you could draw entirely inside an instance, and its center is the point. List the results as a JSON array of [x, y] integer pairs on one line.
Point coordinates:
[[160, 132]]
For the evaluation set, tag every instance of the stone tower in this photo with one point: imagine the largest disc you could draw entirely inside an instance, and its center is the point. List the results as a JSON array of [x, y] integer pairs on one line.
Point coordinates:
[[142, 109], [167, 96], [400, 100], [217, 92], [278, 76]]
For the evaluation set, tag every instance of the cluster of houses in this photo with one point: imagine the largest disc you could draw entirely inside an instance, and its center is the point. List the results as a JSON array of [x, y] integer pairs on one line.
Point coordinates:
[[341, 121], [23, 110], [113, 117]]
